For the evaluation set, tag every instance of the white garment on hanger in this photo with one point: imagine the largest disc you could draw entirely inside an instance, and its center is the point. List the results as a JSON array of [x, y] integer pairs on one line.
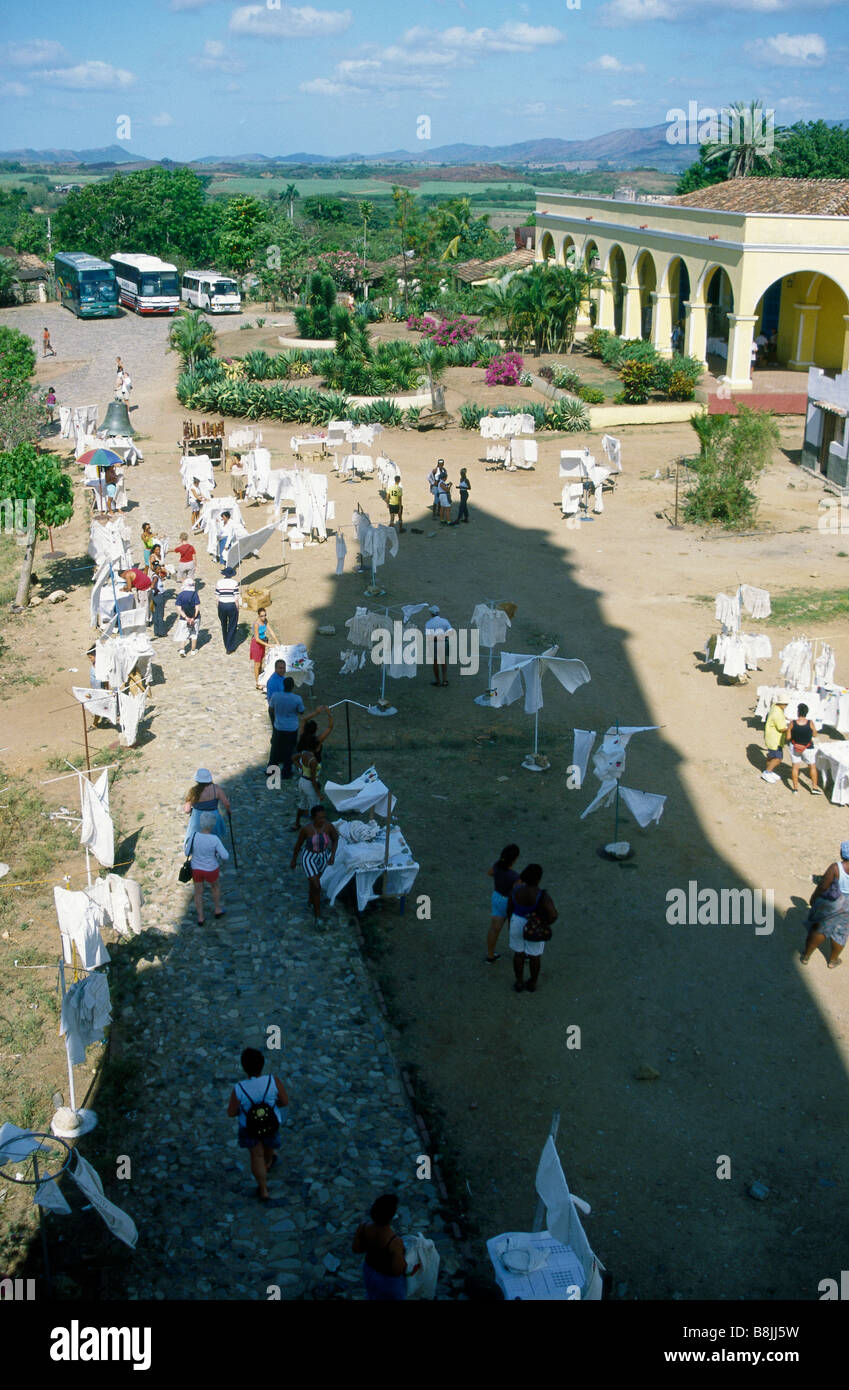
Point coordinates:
[[365, 792], [100, 704], [80, 921], [755, 601], [507, 683], [581, 749], [131, 708], [85, 1013], [97, 833], [48, 1195], [65, 417], [350, 662], [492, 623], [408, 609], [362, 625], [88, 1181], [613, 448], [645, 807], [341, 552], [407, 666], [239, 550]]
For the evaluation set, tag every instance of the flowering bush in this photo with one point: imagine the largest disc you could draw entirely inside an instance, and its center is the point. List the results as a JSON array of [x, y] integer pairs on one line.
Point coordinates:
[[343, 267], [504, 371], [448, 331]]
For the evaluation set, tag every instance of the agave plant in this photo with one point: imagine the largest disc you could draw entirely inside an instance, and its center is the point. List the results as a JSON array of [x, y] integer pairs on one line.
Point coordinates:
[[569, 415], [258, 364], [471, 415], [412, 415]]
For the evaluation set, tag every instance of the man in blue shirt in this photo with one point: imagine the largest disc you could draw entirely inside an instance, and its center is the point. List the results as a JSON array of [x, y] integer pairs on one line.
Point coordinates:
[[286, 708], [275, 682]]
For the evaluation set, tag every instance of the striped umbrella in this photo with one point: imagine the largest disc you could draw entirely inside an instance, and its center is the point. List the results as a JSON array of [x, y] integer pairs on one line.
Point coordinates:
[[102, 458]]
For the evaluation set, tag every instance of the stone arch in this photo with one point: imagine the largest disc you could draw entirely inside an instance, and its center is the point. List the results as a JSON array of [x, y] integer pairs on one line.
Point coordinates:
[[645, 274], [547, 250], [617, 274], [677, 284], [717, 294], [804, 318], [567, 249]]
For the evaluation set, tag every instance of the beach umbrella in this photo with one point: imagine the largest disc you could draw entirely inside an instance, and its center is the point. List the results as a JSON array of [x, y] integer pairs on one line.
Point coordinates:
[[101, 458]]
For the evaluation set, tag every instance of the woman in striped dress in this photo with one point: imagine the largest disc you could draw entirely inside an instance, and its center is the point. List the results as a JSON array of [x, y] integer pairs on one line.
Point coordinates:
[[319, 840]]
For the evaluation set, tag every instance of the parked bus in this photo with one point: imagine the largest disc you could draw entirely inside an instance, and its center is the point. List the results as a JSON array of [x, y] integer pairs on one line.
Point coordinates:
[[208, 290], [147, 284], [85, 285]]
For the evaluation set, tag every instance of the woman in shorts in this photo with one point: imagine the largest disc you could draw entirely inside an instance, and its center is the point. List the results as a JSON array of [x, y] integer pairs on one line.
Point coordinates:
[[261, 635], [207, 852], [800, 744], [307, 763], [504, 876], [527, 899], [829, 914]]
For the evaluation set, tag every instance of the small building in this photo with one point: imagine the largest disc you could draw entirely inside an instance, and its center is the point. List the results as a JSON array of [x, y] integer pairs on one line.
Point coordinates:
[[485, 272], [30, 277], [525, 238], [825, 448]]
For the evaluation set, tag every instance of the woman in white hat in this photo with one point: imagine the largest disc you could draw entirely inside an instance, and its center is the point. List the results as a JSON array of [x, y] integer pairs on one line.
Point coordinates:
[[775, 735], [205, 796]]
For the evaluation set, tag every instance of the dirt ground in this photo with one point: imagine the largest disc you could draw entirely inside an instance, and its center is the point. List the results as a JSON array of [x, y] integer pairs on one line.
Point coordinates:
[[751, 1048]]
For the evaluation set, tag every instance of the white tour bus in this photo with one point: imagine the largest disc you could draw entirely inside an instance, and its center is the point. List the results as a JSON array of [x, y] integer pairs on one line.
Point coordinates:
[[147, 284], [208, 290]]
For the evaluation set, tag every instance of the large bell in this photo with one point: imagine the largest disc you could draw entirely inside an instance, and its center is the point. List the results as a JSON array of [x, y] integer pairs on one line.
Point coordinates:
[[117, 420]]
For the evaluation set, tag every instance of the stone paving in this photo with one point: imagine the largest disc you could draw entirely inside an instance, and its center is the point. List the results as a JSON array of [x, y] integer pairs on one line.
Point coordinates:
[[204, 992]]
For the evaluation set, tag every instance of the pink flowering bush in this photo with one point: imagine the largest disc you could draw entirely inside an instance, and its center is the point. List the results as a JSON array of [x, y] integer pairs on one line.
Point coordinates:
[[504, 371], [344, 267], [449, 331]]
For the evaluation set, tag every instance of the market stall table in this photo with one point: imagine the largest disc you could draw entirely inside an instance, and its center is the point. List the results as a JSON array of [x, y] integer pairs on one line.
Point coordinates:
[[833, 763], [364, 860]]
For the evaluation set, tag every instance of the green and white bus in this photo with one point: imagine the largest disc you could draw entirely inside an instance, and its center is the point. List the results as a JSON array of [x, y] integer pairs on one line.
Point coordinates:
[[86, 285]]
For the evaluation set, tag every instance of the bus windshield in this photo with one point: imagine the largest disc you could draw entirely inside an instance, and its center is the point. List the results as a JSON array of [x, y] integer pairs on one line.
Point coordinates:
[[159, 285], [98, 284], [225, 287]]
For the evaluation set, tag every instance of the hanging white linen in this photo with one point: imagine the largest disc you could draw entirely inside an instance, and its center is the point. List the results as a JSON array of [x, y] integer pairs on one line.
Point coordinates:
[[507, 683], [197, 468], [755, 601], [117, 654], [86, 1011], [582, 745], [341, 552], [242, 548], [362, 625], [387, 471], [65, 417], [311, 503], [119, 900], [824, 666], [257, 466], [110, 540], [80, 921], [645, 807], [613, 449], [131, 709], [97, 833], [571, 498], [375, 542], [364, 793], [119, 1223], [408, 609], [210, 522], [796, 670], [407, 667], [498, 453], [351, 661], [492, 623], [48, 1195], [99, 704], [727, 611]]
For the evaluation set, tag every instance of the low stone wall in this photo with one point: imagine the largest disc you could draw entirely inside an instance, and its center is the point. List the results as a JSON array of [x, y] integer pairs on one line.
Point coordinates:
[[422, 398], [605, 417], [309, 344]]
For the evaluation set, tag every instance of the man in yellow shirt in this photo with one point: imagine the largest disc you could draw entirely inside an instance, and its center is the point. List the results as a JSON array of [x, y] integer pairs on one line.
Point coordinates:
[[775, 736], [395, 500]]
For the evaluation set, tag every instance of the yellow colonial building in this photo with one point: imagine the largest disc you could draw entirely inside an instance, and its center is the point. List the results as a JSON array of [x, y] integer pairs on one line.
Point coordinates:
[[750, 267]]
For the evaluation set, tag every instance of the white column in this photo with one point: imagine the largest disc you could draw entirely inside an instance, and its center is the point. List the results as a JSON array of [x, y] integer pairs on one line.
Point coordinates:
[[605, 317], [740, 338], [662, 323], [632, 312], [806, 338], [695, 331]]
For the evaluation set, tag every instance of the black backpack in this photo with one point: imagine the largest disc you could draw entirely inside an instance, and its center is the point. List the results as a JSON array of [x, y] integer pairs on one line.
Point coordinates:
[[260, 1119]]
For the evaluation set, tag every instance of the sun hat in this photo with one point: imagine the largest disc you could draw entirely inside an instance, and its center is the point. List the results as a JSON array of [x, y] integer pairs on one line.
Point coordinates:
[[434, 609], [228, 572], [781, 697], [203, 774]]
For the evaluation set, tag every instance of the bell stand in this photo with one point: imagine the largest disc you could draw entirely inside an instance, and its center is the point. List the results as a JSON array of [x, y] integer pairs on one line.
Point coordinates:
[[37, 1179]]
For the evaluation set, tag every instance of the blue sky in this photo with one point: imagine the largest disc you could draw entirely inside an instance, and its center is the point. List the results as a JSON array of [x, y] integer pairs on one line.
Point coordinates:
[[199, 77]]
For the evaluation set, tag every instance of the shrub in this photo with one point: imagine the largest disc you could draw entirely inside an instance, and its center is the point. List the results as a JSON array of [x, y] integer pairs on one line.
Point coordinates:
[[594, 341], [471, 415], [547, 374], [593, 395], [567, 379], [367, 311], [504, 371], [314, 317], [568, 415], [680, 387], [412, 415], [298, 370], [734, 452], [637, 379], [525, 379]]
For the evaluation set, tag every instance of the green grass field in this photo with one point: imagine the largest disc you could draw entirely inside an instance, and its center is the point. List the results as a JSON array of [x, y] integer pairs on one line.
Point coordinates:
[[365, 188]]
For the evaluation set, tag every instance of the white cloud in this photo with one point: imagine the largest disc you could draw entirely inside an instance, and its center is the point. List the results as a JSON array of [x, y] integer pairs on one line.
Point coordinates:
[[32, 52], [92, 76], [607, 63], [14, 89], [216, 57], [618, 12], [624, 101], [322, 87], [508, 38], [163, 119], [790, 50], [289, 22]]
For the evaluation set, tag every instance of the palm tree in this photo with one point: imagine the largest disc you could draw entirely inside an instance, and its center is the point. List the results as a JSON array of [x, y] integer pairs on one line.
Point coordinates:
[[290, 193], [496, 305], [366, 213], [746, 135], [193, 338]]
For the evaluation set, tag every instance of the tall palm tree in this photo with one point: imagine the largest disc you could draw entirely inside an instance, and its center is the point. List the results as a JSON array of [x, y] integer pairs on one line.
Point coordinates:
[[496, 305], [366, 213], [746, 135], [290, 193], [192, 337]]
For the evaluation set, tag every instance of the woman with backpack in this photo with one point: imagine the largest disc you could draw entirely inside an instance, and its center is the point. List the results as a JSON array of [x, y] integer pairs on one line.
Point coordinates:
[[258, 1103], [531, 916]]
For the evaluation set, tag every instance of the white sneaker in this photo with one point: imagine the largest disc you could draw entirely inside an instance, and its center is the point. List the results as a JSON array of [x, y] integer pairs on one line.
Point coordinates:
[[770, 776]]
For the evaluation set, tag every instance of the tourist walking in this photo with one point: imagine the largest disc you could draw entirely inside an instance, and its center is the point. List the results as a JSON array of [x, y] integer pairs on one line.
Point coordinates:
[[829, 914], [308, 763], [436, 629], [187, 627], [775, 736], [286, 709], [259, 1103], [504, 876], [204, 795], [47, 348], [384, 1262], [395, 503], [50, 404], [531, 914], [262, 634], [206, 854], [227, 594], [319, 840], [800, 739], [188, 557], [157, 600]]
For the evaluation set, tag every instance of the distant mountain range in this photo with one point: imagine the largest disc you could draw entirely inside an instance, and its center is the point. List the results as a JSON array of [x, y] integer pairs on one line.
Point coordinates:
[[618, 149]]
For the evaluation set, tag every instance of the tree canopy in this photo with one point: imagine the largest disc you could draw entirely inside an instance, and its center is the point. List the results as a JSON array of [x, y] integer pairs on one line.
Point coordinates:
[[158, 212], [806, 150]]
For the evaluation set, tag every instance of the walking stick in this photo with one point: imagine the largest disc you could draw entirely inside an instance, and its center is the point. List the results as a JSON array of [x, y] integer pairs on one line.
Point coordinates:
[[233, 841]]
